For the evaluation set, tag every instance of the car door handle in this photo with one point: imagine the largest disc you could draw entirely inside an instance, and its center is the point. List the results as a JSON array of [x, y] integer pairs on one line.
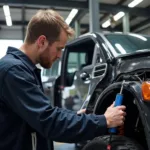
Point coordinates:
[[84, 76]]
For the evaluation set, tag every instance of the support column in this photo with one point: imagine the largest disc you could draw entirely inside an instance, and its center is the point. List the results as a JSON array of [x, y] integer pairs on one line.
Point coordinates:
[[77, 28], [94, 16], [23, 23], [126, 24]]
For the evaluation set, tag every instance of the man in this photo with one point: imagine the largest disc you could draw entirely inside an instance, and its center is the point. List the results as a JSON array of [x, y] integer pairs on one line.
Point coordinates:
[[27, 120]]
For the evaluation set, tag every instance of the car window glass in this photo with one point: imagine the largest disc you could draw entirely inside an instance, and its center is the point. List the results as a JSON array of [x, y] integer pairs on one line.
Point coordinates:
[[75, 60], [80, 55], [130, 43], [53, 71]]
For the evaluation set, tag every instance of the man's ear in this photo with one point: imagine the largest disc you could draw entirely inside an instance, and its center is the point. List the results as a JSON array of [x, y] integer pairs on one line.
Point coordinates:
[[42, 41]]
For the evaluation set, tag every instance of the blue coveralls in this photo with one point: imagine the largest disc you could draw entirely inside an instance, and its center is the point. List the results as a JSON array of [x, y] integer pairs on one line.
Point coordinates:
[[27, 120]]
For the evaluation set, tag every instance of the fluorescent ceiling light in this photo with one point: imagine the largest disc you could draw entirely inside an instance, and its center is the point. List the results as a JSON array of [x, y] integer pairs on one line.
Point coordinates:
[[106, 24], [8, 21], [134, 3], [71, 16], [7, 15], [119, 15], [116, 17], [6, 10], [68, 20]]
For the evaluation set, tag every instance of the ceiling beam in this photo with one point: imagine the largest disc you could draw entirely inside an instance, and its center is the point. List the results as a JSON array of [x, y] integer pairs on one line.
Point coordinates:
[[107, 15], [110, 8], [51, 3], [86, 26], [15, 23], [79, 16], [133, 11], [38, 7], [141, 25], [120, 26], [25, 23]]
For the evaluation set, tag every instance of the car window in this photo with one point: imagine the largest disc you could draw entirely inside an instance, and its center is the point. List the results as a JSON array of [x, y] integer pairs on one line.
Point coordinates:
[[130, 43], [75, 60], [53, 71]]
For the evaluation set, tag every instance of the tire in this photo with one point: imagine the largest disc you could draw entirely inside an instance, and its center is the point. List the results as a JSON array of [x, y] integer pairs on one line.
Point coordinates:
[[117, 143]]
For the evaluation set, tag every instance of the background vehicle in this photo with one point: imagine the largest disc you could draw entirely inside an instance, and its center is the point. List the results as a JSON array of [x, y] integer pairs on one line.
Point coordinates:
[[93, 68], [50, 77]]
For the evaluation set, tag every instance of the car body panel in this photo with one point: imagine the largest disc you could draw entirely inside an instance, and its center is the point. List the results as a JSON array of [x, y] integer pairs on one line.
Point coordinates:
[[110, 65], [94, 62], [143, 106]]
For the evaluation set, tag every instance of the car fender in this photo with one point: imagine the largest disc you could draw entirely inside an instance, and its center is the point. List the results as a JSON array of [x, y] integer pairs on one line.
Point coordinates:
[[143, 106]]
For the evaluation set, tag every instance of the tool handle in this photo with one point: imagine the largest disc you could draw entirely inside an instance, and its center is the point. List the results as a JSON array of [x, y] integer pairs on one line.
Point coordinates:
[[118, 102]]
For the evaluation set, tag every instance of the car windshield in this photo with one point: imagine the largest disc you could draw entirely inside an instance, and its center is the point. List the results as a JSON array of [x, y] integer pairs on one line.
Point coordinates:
[[130, 43]]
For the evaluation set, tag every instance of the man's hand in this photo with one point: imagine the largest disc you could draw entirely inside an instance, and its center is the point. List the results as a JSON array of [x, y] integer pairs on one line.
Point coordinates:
[[81, 111], [115, 116]]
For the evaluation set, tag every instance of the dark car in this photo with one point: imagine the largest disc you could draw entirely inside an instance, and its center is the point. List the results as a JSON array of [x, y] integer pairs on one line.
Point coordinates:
[[92, 71]]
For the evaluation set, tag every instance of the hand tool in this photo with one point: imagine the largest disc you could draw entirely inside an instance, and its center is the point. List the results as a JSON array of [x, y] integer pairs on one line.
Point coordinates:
[[118, 102]]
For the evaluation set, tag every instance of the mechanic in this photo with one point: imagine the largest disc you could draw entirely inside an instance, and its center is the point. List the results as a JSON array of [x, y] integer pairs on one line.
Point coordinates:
[[27, 119]]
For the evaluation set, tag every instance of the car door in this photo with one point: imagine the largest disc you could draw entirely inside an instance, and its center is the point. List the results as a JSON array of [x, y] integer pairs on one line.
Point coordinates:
[[77, 66]]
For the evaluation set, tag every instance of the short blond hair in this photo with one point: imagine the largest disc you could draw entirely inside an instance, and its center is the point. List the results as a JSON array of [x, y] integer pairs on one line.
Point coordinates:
[[49, 23]]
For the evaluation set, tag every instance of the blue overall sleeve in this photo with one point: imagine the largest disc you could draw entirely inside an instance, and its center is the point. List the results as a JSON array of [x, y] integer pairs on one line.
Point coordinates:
[[25, 98]]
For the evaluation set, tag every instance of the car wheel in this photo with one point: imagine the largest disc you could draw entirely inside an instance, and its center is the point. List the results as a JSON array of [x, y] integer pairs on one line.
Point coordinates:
[[117, 143]]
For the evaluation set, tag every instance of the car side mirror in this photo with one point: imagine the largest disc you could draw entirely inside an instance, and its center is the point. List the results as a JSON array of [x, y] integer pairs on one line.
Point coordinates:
[[84, 76]]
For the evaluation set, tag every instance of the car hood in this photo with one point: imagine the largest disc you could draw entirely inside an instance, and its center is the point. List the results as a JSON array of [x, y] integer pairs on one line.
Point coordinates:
[[134, 54], [133, 62]]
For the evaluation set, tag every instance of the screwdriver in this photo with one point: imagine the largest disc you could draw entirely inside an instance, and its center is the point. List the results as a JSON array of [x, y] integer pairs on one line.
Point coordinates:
[[118, 102]]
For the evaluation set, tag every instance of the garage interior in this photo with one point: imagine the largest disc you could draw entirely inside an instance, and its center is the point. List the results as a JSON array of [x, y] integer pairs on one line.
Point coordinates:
[[83, 16]]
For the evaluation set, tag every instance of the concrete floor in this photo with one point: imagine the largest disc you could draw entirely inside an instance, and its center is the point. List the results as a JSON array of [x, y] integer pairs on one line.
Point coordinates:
[[64, 146]]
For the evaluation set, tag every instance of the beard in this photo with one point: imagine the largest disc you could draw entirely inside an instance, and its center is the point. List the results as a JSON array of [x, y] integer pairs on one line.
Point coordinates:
[[45, 61], [45, 65]]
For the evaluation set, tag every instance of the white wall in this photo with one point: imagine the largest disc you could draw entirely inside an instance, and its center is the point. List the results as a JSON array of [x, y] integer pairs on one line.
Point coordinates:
[[10, 34], [5, 43], [14, 32]]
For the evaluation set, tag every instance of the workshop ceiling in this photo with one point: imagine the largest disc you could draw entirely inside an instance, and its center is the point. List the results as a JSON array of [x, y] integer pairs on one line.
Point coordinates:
[[21, 12]]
